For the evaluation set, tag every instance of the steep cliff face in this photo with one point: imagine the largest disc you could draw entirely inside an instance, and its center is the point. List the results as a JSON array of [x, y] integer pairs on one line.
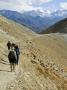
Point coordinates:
[[43, 59]]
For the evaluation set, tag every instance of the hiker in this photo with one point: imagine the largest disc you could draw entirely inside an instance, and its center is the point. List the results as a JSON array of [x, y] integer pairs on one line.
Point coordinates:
[[9, 45], [17, 53], [13, 46], [12, 59]]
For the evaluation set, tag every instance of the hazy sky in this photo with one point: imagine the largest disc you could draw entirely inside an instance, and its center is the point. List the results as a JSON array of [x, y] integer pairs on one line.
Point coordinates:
[[20, 5]]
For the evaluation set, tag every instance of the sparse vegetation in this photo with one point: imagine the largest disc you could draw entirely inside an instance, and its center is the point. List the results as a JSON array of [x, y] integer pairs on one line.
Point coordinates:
[[43, 59]]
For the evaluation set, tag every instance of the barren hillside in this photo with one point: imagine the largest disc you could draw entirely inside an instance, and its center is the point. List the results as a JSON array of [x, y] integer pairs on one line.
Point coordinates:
[[46, 60], [60, 27], [43, 59]]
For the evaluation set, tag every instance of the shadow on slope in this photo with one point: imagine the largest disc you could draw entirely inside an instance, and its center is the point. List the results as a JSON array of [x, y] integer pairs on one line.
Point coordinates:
[[60, 27]]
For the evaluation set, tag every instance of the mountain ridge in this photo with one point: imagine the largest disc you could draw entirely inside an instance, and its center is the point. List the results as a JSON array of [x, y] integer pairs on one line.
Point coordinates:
[[60, 27], [34, 20]]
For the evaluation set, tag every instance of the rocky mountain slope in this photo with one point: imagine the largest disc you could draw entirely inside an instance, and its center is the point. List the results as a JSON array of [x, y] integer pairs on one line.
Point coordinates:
[[60, 27], [37, 20], [43, 59]]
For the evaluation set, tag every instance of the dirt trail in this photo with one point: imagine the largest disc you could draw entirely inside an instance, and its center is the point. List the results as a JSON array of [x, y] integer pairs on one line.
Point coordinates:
[[6, 76]]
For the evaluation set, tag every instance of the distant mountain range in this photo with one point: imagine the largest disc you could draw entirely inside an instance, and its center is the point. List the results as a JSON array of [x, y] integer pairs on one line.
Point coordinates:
[[36, 20], [60, 27]]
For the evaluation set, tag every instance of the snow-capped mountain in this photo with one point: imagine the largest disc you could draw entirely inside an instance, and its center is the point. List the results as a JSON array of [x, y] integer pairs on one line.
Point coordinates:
[[35, 19], [39, 12], [60, 13]]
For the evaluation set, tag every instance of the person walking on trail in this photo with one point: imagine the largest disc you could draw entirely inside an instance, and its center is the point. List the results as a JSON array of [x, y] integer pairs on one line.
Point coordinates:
[[12, 59], [9, 45], [13, 45], [17, 53]]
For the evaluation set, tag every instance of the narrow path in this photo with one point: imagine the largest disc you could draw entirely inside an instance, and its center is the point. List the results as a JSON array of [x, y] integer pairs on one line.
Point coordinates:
[[6, 76]]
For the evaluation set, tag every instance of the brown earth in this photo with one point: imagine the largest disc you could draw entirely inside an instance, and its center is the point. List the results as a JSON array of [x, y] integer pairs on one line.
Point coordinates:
[[43, 59]]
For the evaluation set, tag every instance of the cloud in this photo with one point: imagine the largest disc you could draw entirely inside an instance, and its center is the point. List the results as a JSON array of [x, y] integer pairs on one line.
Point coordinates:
[[38, 2], [41, 1], [11, 6], [20, 5], [29, 2], [63, 5], [4, 0]]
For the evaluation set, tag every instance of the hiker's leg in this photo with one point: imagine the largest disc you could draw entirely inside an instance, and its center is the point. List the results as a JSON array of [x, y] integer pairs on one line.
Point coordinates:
[[8, 47], [11, 66], [17, 58], [15, 61]]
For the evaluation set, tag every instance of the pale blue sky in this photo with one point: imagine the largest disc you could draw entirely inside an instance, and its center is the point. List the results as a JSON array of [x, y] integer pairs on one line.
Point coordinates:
[[20, 5]]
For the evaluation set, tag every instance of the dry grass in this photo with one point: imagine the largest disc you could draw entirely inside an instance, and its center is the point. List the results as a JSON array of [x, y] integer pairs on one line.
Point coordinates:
[[33, 57]]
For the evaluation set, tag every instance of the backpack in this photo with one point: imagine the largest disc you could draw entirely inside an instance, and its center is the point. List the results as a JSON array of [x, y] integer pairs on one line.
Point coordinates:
[[12, 55]]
